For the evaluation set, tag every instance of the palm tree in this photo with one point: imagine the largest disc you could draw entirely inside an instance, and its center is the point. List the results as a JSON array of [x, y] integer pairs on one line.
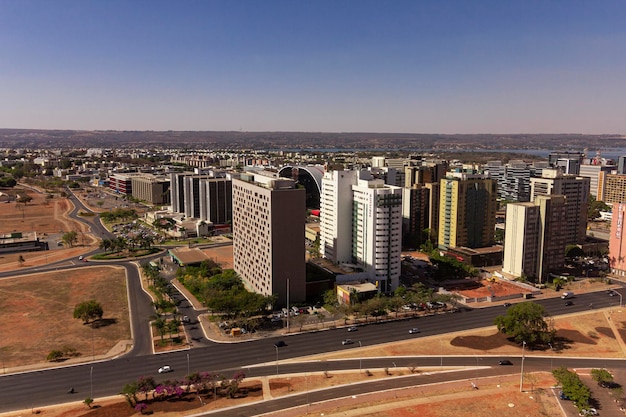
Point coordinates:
[[161, 326]]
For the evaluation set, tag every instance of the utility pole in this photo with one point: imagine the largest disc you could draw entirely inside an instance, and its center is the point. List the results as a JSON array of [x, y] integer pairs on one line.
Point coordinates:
[[521, 376]]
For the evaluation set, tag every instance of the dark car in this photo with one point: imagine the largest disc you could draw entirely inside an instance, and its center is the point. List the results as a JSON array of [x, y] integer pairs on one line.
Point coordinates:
[[347, 342], [505, 362], [569, 303], [280, 343], [506, 305]]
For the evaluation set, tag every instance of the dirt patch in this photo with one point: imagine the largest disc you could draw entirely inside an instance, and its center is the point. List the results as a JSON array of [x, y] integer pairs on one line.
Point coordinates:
[[480, 289], [222, 255], [43, 304]]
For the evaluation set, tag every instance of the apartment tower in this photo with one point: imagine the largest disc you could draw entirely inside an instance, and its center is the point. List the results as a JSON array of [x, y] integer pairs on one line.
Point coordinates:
[[268, 235], [576, 192], [361, 224], [535, 238], [467, 210]]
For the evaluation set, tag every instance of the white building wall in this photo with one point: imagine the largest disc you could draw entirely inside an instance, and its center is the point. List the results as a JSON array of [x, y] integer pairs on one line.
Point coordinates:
[[336, 216]]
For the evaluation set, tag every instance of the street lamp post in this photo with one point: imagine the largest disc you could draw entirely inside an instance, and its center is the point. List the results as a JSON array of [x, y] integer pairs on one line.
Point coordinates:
[[276, 359], [521, 375], [620, 298], [188, 373], [91, 383]]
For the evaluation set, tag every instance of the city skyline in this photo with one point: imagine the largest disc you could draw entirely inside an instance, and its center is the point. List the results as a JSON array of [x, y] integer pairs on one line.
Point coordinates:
[[366, 66]]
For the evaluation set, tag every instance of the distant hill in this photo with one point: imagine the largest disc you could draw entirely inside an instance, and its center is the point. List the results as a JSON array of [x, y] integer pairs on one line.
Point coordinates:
[[27, 138]]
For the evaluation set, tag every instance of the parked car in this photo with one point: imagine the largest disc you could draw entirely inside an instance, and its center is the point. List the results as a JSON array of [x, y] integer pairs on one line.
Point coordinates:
[[165, 369], [414, 330], [505, 362], [347, 342], [352, 329]]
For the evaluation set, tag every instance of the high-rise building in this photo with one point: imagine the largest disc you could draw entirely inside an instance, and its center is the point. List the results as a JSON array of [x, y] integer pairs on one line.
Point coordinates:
[[576, 191], [268, 235], [415, 212], [467, 210], [151, 188], [614, 189], [596, 174], [534, 243], [206, 197], [336, 216], [513, 179], [621, 165], [216, 200], [553, 157], [361, 224], [617, 241]]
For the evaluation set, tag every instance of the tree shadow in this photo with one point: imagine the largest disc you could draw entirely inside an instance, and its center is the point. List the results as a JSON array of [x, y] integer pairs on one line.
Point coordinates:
[[103, 323]]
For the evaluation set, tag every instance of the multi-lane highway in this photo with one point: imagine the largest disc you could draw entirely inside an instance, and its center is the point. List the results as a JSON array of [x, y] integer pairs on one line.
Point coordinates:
[[106, 378]]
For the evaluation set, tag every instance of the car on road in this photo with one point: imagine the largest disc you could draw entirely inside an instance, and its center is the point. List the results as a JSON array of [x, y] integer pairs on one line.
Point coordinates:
[[505, 362], [280, 343], [506, 305], [414, 330], [186, 319], [569, 303], [347, 342], [165, 369], [352, 329], [80, 258]]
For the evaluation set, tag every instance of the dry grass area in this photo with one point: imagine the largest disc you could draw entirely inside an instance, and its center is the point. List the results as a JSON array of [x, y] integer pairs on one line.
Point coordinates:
[[43, 304], [46, 217], [592, 334], [494, 398], [41, 215]]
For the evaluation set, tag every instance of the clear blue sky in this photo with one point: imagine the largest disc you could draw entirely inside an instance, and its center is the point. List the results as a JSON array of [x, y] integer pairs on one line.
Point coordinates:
[[419, 66]]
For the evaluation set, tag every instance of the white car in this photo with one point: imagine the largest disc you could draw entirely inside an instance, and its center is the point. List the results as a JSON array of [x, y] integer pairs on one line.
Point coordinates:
[[414, 330], [165, 369]]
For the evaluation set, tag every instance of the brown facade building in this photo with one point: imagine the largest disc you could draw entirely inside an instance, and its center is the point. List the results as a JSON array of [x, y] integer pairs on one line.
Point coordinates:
[[268, 236]]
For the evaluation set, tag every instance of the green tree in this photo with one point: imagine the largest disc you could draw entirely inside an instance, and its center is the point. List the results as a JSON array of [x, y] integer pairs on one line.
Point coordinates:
[[573, 251], [525, 322], [88, 401], [69, 238], [54, 355], [161, 326], [595, 207], [130, 393], [601, 376], [88, 311], [330, 298], [573, 387], [24, 199]]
